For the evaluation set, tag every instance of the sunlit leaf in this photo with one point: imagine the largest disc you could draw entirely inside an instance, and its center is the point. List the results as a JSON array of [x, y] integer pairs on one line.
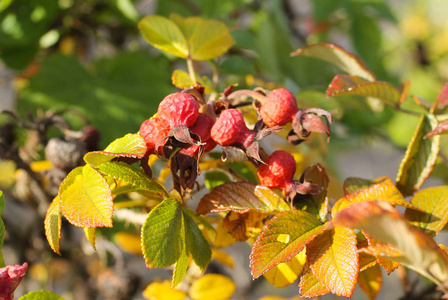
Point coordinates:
[[309, 286], [442, 99], [420, 157], [385, 190], [90, 235], [223, 258], [241, 197], [433, 203], [223, 238], [53, 225], [244, 226], [381, 251], [339, 57], [282, 238], [370, 281], [41, 295], [182, 80], [212, 286], [333, 258], [161, 245], [127, 173], [420, 252], [164, 34], [286, 273], [354, 184], [353, 85], [180, 269], [163, 291], [86, 198]]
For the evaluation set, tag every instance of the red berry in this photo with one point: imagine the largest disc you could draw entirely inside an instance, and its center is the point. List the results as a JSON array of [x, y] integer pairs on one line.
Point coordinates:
[[279, 108], [230, 129], [178, 109], [279, 170], [202, 127], [152, 130]]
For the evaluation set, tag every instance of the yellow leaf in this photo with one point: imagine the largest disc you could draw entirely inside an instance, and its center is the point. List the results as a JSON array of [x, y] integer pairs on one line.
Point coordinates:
[[41, 165], [223, 257], [370, 281], [90, 235], [212, 286], [286, 273], [182, 80], [223, 238], [7, 170], [162, 291], [53, 224], [273, 298], [129, 242]]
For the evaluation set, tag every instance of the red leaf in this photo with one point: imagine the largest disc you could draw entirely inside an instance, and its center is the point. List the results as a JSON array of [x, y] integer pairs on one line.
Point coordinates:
[[440, 129], [442, 99]]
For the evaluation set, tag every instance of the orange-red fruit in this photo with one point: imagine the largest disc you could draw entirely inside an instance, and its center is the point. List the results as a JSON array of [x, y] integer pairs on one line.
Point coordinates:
[[202, 127], [151, 131], [230, 129], [178, 109], [279, 108], [279, 170]]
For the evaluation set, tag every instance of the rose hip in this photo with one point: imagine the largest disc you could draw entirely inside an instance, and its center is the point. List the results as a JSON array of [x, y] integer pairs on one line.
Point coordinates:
[[178, 109], [279, 108], [152, 130], [230, 129], [278, 172]]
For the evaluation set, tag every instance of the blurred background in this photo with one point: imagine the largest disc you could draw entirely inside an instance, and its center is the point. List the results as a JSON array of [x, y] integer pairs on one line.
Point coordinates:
[[86, 61]]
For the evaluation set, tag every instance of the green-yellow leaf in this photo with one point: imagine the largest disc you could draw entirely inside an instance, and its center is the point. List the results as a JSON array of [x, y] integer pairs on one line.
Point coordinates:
[[241, 197], [86, 198], [282, 238], [354, 184], [90, 235], [384, 223], [182, 80], [286, 273], [420, 157], [53, 224], [161, 245], [333, 258], [212, 286], [433, 203], [164, 34], [163, 291], [339, 57], [131, 145], [180, 269], [370, 281], [354, 85], [41, 295], [127, 173]]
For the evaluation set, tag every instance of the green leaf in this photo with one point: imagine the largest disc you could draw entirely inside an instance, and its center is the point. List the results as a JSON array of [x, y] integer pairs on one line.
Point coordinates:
[[192, 37], [433, 203], [420, 157], [86, 198], [41, 295], [240, 197], [53, 224], [215, 178], [236, 65], [164, 34], [354, 184], [127, 173], [384, 223], [333, 258], [2, 228], [131, 145], [354, 85], [196, 244], [161, 234], [339, 57], [282, 238], [180, 269]]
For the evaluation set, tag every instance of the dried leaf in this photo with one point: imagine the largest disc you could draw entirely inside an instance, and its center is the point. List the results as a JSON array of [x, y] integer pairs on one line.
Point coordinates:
[[420, 157], [241, 197], [333, 258]]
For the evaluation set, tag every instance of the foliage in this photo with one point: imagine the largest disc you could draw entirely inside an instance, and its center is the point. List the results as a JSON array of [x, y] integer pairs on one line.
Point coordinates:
[[187, 199]]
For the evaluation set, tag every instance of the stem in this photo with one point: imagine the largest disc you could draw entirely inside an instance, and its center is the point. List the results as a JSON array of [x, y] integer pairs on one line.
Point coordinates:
[[409, 112], [249, 93], [191, 69]]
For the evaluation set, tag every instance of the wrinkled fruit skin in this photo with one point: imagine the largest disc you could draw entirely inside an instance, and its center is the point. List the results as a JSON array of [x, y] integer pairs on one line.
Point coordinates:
[[151, 131], [279, 108], [279, 170], [202, 127], [230, 129], [65, 154], [178, 109], [10, 278]]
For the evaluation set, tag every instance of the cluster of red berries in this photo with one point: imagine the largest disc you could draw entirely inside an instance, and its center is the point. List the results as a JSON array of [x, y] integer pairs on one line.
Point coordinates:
[[179, 124]]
